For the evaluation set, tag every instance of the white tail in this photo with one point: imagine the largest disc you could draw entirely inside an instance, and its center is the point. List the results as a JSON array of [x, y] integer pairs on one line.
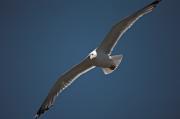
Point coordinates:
[[117, 60]]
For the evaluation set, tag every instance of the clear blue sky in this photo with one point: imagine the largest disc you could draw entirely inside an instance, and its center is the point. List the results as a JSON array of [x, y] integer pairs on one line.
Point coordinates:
[[40, 39]]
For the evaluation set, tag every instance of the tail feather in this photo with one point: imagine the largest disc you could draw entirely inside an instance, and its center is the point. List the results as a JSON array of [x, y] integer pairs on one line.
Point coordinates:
[[117, 60]]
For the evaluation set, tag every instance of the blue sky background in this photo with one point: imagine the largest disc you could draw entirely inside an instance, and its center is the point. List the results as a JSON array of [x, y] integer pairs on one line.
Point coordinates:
[[40, 39]]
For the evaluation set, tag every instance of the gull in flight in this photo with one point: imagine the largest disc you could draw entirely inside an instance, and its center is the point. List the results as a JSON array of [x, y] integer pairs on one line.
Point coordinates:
[[100, 57]]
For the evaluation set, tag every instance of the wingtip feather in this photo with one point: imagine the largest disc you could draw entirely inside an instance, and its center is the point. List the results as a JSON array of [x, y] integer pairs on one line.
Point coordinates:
[[155, 3], [151, 6], [40, 112]]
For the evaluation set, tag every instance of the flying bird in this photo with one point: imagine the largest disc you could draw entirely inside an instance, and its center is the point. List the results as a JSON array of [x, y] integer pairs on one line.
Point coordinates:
[[100, 57]]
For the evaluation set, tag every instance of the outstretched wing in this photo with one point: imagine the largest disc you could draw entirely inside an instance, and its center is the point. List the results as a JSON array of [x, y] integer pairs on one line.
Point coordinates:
[[120, 28], [64, 81]]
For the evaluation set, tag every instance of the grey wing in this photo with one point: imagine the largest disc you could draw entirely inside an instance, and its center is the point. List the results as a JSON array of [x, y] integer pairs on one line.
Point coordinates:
[[120, 28], [64, 81]]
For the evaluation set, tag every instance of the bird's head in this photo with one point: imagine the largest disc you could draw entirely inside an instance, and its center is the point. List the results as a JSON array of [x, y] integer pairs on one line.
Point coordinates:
[[93, 54]]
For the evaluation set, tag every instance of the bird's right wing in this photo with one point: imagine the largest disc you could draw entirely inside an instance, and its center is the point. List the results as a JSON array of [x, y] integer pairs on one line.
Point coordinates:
[[64, 81], [120, 28]]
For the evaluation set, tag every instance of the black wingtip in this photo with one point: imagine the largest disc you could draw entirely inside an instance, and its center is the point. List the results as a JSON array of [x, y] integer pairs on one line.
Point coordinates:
[[155, 3], [152, 5], [40, 112]]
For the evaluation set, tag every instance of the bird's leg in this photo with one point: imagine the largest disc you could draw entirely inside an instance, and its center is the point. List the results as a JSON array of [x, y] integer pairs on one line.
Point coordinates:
[[112, 67]]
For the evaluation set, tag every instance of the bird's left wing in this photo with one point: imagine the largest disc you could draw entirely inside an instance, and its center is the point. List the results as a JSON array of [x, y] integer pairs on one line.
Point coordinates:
[[120, 28], [64, 81]]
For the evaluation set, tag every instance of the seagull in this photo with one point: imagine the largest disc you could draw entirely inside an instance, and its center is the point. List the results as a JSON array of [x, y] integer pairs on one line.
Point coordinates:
[[100, 57]]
